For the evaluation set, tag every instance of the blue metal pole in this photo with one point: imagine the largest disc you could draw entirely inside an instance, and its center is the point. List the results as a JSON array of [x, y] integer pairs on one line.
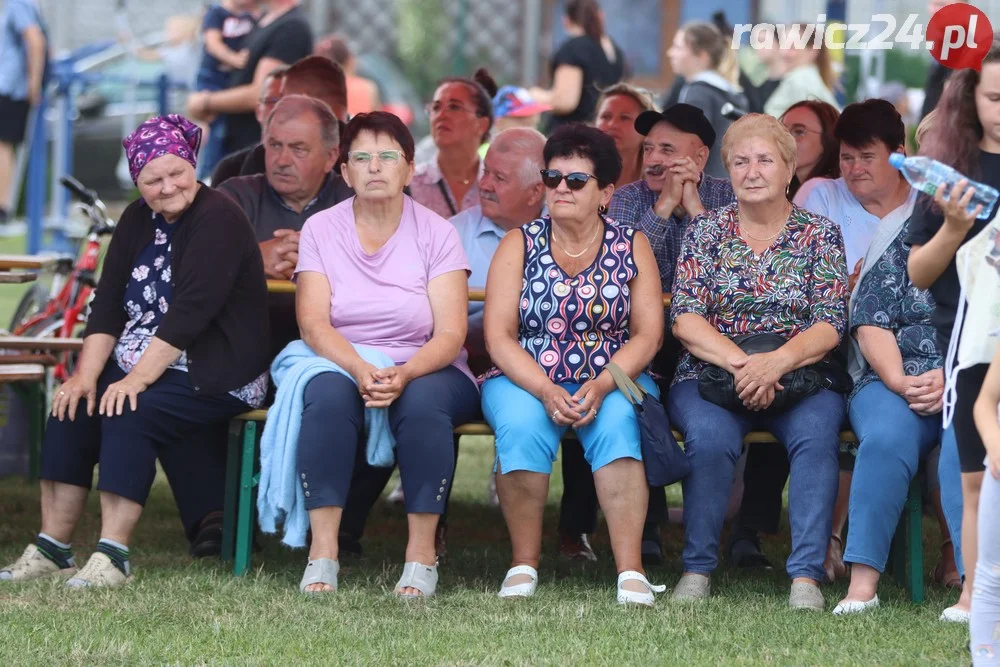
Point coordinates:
[[163, 90], [35, 194]]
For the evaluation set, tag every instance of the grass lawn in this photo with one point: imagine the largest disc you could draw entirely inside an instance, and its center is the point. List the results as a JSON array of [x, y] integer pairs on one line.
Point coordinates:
[[186, 612]]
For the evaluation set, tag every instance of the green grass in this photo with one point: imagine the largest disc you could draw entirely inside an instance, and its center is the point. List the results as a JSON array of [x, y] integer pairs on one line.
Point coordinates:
[[186, 612], [181, 611]]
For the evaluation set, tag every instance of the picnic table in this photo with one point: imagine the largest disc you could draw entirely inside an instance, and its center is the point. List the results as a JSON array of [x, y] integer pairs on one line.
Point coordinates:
[[12, 266]]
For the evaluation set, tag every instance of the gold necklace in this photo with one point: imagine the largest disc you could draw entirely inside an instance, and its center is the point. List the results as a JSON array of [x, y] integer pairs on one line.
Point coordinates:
[[582, 252], [767, 238]]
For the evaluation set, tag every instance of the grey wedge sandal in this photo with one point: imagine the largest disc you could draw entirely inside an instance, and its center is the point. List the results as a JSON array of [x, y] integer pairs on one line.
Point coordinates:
[[422, 577], [320, 571]]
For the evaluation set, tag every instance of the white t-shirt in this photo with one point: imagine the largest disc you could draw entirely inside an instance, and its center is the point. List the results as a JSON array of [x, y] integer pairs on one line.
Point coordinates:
[[831, 199]]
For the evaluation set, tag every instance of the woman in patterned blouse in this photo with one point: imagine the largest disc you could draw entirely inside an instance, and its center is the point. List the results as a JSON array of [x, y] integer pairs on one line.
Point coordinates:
[[895, 361], [761, 265], [567, 295]]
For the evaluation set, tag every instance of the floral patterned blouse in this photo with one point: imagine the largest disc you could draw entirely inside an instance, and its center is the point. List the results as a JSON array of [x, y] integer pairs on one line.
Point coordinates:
[[147, 300], [572, 326], [887, 299], [798, 281]]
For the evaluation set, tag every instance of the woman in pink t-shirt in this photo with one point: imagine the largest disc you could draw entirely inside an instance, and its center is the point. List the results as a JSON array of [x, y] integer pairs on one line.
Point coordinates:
[[382, 271]]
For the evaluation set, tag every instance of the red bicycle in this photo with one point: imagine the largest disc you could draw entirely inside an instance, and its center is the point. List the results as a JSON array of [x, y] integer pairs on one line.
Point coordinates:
[[61, 311]]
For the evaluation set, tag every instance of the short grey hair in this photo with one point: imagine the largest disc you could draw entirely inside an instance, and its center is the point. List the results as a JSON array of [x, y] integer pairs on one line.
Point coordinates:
[[530, 143], [294, 106]]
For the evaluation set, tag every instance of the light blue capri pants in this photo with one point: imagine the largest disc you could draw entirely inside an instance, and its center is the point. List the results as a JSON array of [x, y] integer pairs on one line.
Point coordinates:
[[528, 439]]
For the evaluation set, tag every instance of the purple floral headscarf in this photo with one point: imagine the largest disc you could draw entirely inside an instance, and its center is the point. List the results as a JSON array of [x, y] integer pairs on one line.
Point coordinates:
[[172, 134]]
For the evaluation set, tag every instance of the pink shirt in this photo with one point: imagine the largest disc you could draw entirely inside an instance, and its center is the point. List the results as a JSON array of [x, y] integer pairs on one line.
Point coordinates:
[[380, 300]]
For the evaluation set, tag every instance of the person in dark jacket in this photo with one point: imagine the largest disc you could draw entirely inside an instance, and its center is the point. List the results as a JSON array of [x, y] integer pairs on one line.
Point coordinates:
[[176, 344], [701, 54]]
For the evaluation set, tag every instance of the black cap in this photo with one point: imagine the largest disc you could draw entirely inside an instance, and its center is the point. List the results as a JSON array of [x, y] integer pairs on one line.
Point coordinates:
[[684, 117]]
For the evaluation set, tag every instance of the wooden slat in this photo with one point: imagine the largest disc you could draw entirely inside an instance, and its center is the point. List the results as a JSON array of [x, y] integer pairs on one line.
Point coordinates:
[[22, 373], [482, 428], [475, 294], [10, 278], [41, 344], [8, 262], [27, 358]]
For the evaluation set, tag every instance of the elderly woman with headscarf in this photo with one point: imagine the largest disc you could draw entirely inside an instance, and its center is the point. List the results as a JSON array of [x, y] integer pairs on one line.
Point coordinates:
[[175, 344]]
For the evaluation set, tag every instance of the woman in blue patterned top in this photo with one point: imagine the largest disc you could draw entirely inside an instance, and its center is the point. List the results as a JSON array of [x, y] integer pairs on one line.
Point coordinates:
[[569, 294], [894, 408]]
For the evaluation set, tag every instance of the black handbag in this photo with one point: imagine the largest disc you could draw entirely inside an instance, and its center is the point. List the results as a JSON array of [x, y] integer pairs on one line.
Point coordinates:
[[664, 460], [718, 385]]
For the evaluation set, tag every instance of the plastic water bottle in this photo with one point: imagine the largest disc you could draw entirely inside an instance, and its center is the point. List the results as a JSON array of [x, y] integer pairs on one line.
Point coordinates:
[[925, 175]]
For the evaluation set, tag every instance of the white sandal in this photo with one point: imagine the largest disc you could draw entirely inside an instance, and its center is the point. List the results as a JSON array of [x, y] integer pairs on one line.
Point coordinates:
[[417, 575], [525, 590], [320, 571], [632, 597]]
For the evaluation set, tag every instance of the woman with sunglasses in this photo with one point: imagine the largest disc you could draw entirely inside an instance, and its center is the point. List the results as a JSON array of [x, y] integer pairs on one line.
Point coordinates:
[[568, 294], [461, 116], [383, 295]]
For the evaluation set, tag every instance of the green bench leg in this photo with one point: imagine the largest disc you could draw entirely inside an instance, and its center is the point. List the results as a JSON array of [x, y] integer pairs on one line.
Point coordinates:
[[33, 394], [907, 557], [244, 516], [232, 490]]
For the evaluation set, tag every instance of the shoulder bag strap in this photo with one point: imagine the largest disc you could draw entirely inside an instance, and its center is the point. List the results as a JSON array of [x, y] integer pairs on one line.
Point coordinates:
[[633, 392]]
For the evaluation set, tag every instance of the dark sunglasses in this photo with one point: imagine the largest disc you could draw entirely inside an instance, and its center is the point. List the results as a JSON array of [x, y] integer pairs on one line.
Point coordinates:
[[575, 181]]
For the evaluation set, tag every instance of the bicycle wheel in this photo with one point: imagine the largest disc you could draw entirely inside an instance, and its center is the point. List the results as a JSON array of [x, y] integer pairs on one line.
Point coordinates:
[[32, 302]]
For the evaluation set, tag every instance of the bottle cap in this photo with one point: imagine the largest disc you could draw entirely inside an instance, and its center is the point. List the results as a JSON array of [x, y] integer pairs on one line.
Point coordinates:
[[896, 159]]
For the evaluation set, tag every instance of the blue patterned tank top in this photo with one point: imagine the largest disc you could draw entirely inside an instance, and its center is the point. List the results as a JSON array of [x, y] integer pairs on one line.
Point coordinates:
[[572, 326]]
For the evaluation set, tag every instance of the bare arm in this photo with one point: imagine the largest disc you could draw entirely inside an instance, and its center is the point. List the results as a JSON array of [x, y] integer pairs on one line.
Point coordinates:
[[881, 351], [501, 317], [449, 297], [154, 361], [241, 99], [34, 42], [645, 322], [985, 414], [809, 346], [97, 350], [705, 342], [567, 87], [216, 47], [927, 262]]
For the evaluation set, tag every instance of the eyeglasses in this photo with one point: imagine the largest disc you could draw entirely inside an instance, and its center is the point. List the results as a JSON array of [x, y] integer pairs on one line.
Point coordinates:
[[575, 181], [384, 157], [436, 108], [800, 131]]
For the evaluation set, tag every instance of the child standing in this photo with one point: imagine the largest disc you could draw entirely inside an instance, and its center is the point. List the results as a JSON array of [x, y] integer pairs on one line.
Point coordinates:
[[223, 31]]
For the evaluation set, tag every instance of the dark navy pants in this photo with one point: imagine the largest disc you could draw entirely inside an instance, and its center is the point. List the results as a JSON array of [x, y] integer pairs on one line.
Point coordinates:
[[421, 420], [186, 431]]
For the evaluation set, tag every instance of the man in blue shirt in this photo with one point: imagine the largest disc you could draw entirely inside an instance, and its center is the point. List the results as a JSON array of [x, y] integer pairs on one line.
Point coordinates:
[[23, 54], [511, 195]]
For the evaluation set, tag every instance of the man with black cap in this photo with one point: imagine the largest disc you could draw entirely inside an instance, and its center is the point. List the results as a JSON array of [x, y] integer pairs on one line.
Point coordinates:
[[674, 189]]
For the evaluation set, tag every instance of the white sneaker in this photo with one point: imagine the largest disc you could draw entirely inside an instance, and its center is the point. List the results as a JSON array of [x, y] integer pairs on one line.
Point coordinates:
[[34, 565], [847, 607], [99, 572], [954, 615], [396, 496]]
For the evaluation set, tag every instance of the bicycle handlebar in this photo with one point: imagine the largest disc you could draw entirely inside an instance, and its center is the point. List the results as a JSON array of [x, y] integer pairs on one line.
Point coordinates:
[[84, 194]]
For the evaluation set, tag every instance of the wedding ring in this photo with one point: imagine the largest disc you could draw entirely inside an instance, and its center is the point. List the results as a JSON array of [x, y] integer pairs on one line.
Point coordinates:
[[120, 391], [594, 411], [62, 393], [555, 413]]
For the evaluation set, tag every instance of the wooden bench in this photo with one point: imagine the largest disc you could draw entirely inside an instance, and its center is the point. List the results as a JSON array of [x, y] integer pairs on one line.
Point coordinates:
[[242, 478], [26, 372]]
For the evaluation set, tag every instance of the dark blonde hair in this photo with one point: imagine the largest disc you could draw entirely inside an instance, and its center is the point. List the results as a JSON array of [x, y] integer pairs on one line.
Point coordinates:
[[760, 125], [703, 37]]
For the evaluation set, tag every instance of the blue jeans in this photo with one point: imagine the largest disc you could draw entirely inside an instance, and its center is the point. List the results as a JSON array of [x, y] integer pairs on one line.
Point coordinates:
[[713, 438], [893, 439], [950, 479], [211, 148]]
